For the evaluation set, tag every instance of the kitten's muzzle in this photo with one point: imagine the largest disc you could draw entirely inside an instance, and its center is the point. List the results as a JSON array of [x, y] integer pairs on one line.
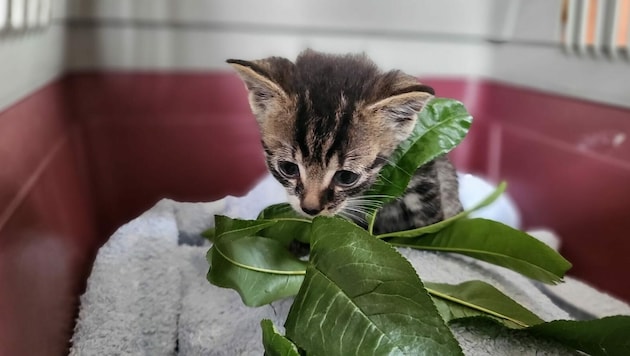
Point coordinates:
[[312, 211]]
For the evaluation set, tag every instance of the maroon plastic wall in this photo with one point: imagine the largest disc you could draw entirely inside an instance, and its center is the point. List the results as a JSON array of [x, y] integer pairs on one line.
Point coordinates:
[[90, 151]]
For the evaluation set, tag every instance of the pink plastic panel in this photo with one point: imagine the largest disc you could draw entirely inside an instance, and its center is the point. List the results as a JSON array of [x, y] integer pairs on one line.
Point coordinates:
[[47, 234], [91, 151]]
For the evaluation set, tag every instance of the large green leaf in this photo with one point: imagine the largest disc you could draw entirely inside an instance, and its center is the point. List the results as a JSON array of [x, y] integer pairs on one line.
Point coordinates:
[[496, 243], [441, 125], [261, 270], [441, 224], [470, 300], [361, 297], [276, 344], [477, 298], [608, 336]]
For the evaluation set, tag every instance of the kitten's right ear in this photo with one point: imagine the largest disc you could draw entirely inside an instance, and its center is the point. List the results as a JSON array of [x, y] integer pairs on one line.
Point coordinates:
[[398, 112], [265, 94]]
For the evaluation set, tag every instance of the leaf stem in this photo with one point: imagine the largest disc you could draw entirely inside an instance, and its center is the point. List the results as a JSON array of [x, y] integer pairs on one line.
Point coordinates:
[[441, 224], [293, 219], [259, 269], [371, 222], [437, 294], [551, 276]]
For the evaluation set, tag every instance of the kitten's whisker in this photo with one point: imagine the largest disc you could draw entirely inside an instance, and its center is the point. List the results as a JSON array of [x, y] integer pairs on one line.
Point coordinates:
[[385, 179], [375, 197], [343, 214], [365, 203], [364, 200], [355, 209], [366, 207], [392, 163], [358, 211], [352, 216]]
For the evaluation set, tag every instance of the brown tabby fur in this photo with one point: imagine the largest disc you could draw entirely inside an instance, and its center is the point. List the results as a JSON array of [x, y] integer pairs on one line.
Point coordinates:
[[329, 123]]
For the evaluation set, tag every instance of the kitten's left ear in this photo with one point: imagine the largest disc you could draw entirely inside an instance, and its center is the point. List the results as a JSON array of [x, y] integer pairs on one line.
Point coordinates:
[[398, 112], [262, 79]]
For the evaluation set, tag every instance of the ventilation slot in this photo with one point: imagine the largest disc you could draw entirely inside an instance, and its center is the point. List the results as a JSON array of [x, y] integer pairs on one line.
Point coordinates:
[[597, 27], [24, 15]]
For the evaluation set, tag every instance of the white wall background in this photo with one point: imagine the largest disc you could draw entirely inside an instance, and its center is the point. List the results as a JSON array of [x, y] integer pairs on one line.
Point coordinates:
[[417, 36], [515, 41], [31, 58]]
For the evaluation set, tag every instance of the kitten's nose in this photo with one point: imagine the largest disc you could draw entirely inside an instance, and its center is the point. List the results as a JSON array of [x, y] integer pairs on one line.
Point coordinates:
[[311, 210]]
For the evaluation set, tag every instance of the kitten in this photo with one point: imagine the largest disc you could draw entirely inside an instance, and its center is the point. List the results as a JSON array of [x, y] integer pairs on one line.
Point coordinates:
[[329, 123]]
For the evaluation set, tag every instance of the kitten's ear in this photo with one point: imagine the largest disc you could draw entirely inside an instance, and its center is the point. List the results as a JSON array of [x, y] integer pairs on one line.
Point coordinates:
[[398, 112], [265, 94]]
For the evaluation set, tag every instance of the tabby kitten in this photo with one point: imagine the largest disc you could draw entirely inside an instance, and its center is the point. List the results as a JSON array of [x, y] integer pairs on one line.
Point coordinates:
[[329, 123]]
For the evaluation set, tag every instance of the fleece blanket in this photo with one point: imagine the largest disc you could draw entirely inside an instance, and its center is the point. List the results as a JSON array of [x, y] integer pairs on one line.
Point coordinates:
[[148, 294]]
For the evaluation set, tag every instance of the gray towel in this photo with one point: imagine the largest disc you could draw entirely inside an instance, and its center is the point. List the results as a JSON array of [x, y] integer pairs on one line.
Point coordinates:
[[132, 302], [148, 295]]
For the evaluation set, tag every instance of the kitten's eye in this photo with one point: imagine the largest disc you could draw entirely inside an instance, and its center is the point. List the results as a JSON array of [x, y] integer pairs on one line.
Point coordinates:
[[289, 169], [345, 178]]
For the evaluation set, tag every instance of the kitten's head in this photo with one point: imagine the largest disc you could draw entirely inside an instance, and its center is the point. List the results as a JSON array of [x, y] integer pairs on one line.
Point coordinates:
[[329, 124]]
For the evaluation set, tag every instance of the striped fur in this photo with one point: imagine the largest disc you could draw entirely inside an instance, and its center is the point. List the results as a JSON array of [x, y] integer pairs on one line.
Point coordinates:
[[329, 124]]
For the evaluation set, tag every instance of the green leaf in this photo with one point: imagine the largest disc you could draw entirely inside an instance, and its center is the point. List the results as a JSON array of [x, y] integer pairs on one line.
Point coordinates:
[[360, 296], [608, 336], [286, 231], [469, 300], [290, 225], [225, 226], [261, 270], [441, 126], [496, 243], [278, 211], [259, 254], [477, 298], [442, 224], [281, 227], [209, 234], [275, 343]]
